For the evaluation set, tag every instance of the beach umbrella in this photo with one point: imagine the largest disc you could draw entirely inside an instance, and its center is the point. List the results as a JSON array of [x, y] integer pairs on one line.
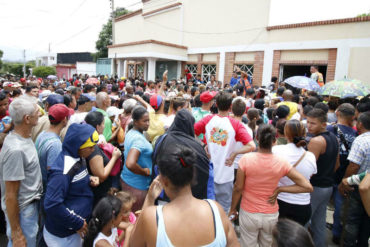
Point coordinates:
[[52, 77], [345, 88], [303, 82], [92, 81]]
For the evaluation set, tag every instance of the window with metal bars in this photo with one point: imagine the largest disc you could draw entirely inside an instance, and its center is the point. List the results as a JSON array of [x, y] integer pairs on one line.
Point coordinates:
[[131, 71], [246, 68], [207, 71], [193, 69], [140, 71]]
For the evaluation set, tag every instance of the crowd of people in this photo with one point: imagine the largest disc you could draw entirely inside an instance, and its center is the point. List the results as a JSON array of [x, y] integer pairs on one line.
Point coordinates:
[[127, 162]]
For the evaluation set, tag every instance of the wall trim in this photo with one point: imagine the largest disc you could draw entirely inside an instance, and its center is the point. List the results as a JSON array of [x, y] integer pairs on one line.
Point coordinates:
[[319, 23], [137, 12], [149, 41], [145, 55], [161, 10]]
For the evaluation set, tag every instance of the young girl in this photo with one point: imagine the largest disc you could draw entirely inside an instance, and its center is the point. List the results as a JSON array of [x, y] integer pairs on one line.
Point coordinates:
[[128, 217], [102, 228]]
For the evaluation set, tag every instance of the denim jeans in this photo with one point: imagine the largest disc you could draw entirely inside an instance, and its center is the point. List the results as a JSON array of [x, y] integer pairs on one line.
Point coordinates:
[[28, 219], [357, 228], [319, 201], [51, 240], [338, 202]]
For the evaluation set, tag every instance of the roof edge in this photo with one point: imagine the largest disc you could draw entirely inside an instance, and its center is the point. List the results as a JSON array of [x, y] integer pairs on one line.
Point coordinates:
[[319, 23], [149, 41]]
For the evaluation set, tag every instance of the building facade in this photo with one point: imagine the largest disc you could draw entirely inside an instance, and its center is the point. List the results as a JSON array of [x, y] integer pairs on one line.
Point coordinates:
[[213, 37]]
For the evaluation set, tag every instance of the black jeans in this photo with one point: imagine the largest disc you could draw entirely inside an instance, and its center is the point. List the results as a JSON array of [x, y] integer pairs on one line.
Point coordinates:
[[356, 230], [299, 213]]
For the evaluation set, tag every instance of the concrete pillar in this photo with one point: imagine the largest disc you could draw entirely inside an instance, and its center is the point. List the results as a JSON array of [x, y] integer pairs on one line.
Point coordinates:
[[145, 70], [151, 68], [268, 59], [119, 67], [124, 68], [221, 71], [178, 74]]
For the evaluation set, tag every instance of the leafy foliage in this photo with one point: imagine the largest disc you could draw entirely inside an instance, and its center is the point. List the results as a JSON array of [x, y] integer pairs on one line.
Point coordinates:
[[44, 71], [105, 35], [1, 55]]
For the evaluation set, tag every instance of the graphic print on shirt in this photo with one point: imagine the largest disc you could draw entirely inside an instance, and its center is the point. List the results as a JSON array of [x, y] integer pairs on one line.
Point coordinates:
[[219, 136]]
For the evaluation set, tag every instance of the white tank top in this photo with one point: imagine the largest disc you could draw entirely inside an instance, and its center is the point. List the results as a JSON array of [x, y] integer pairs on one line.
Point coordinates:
[[111, 239], [219, 241]]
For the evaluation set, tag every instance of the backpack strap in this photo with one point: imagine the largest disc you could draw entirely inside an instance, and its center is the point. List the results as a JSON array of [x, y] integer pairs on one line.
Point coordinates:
[[340, 133], [300, 159]]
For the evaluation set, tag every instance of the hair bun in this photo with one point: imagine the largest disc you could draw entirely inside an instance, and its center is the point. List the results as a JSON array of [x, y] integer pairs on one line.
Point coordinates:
[[297, 139]]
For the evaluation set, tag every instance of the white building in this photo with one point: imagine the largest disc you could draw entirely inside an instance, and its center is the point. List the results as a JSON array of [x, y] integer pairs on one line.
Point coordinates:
[[86, 68], [212, 37], [46, 60]]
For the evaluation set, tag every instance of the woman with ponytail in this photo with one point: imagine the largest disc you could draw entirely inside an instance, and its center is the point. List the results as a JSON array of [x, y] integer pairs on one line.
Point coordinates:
[[295, 206], [185, 220], [102, 228], [257, 180]]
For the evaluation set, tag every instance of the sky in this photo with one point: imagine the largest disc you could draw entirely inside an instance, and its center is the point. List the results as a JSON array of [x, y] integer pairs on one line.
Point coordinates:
[[74, 25]]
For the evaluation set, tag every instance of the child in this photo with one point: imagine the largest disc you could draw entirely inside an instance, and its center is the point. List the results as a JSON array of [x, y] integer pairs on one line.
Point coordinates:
[[128, 218], [102, 228]]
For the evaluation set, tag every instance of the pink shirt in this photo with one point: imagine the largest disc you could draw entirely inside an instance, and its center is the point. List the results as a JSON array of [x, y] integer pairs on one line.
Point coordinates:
[[262, 174]]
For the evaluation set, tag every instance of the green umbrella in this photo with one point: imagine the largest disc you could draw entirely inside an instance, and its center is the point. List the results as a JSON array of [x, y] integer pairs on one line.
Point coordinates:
[[345, 88]]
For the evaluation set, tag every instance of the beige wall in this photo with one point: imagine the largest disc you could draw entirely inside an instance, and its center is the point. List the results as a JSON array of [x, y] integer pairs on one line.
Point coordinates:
[[304, 55], [359, 64], [244, 56], [157, 4], [147, 48], [213, 22], [324, 32]]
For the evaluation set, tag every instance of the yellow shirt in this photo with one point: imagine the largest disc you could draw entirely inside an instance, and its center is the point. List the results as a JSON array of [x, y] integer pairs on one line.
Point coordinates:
[[293, 108], [156, 125]]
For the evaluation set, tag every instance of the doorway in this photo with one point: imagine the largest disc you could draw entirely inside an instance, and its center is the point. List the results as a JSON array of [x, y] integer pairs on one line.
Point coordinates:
[[287, 71]]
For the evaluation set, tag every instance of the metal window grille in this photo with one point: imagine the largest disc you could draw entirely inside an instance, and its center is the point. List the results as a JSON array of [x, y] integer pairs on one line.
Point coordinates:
[[207, 71], [131, 71], [193, 69], [247, 68], [140, 71]]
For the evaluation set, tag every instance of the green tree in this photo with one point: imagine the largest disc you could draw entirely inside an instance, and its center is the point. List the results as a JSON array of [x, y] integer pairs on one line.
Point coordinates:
[[363, 15], [1, 62], [105, 35], [44, 71]]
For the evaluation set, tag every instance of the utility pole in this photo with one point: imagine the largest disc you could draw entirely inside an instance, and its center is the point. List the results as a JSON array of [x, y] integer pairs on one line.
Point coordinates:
[[112, 18], [24, 63]]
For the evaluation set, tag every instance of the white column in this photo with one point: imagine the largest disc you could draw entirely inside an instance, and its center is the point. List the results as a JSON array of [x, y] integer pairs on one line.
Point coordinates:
[[124, 68], [178, 70], [221, 67], [151, 68], [119, 64], [112, 69], [268, 59], [342, 64], [145, 70]]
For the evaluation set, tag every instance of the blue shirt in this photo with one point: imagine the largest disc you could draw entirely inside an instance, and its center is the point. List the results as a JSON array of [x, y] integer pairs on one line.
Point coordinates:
[[135, 139], [48, 146], [233, 81]]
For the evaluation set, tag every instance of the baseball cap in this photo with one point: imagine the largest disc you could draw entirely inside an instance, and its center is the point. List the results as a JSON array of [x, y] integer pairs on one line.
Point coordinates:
[[53, 99], [113, 111], [58, 112], [91, 141], [90, 96], [207, 96], [156, 101], [82, 100]]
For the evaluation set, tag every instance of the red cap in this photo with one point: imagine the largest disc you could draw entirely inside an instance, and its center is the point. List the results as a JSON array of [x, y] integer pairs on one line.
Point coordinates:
[[207, 96], [58, 112], [23, 80], [156, 101]]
